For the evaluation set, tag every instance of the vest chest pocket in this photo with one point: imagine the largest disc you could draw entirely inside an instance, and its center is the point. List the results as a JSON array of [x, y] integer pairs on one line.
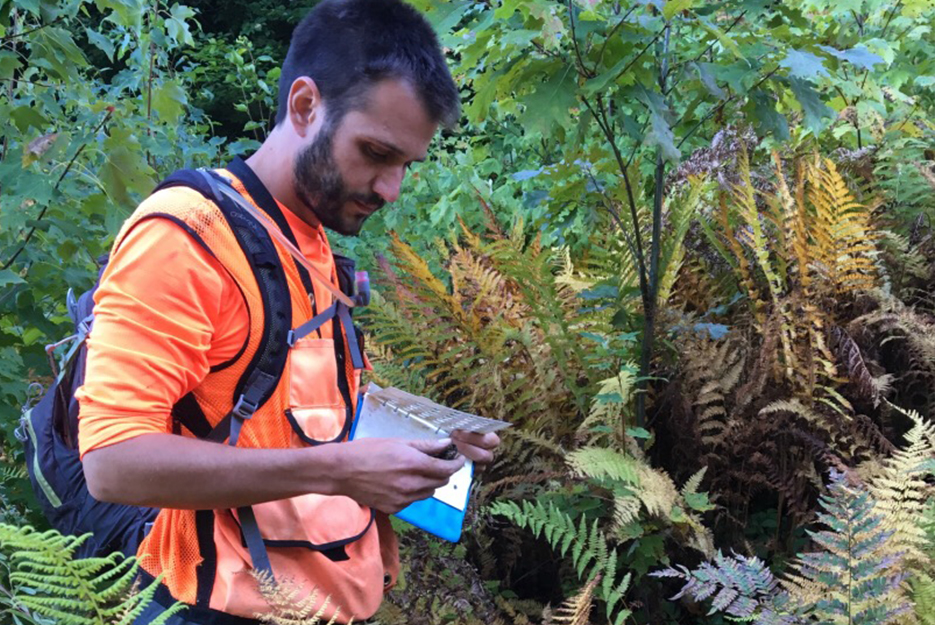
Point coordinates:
[[317, 412]]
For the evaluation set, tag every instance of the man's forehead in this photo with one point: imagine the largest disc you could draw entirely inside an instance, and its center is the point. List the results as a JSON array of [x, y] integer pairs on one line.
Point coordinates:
[[394, 116]]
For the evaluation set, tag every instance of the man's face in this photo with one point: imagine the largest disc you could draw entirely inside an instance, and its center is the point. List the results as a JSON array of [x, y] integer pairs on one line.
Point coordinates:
[[353, 167]]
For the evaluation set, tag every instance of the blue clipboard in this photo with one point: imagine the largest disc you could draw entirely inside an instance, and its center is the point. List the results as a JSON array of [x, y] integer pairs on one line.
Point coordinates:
[[443, 513]]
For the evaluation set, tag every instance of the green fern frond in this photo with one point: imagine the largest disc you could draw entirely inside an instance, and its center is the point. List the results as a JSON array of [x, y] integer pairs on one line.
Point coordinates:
[[694, 482], [591, 557], [48, 580], [610, 403], [681, 210], [854, 575]]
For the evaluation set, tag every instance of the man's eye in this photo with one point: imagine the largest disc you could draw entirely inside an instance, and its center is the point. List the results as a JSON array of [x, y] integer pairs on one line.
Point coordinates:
[[375, 155]]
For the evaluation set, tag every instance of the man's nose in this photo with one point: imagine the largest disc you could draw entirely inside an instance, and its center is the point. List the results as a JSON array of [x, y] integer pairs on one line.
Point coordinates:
[[388, 183]]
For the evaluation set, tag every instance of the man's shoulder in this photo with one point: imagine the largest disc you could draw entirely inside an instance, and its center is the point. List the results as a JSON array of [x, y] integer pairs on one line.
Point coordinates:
[[177, 201]]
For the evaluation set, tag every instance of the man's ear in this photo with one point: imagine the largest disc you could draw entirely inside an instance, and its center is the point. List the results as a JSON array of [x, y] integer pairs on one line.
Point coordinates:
[[304, 105]]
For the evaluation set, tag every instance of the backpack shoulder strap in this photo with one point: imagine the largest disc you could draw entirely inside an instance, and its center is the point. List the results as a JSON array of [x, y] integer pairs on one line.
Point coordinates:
[[264, 370]]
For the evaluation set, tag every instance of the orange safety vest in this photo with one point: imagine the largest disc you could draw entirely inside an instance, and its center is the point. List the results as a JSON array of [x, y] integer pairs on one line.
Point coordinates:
[[328, 544]]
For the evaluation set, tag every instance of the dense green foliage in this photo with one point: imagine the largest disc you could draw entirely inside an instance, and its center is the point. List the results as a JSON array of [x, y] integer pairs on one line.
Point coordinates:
[[673, 242], [42, 582]]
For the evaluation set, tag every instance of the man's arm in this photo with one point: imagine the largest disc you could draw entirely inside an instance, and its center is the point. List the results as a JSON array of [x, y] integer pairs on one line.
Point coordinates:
[[170, 471]]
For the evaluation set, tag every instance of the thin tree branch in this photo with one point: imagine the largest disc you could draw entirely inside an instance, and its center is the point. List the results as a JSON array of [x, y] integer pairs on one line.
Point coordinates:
[[8, 38], [706, 50], [613, 31], [44, 85], [45, 208], [638, 56], [608, 133], [655, 251], [720, 106], [582, 68]]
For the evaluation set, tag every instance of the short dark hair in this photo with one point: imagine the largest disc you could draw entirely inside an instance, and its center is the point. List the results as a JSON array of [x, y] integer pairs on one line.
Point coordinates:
[[347, 46]]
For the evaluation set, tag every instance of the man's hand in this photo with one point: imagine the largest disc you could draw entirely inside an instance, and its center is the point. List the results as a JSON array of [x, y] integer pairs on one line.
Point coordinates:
[[476, 446], [389, 474]]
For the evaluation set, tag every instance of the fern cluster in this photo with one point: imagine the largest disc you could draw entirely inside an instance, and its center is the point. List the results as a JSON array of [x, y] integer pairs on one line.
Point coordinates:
[[799, 383], [591, 558], [851, 578], [873, 562], [46, 580], [795, 248], [641, 493], [495, 336]]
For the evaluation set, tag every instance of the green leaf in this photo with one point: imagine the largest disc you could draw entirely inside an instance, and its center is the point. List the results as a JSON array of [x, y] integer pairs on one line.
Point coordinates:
[[859, 56], [804, 65], [169, 101], [444, 17], [553, 28], [9, 63], [707, 79], [126, 169], [812, 106], [883, 48], [660, 134], [733, 74], [674, 7], [27, 116], [103, 43], [177, 24], [639, 433], [600, 82], [124, 12], [722, 37], [8, 277], [56, 51], [768, 119], [917, 8], [550, 102], [698, 501], [33, 6]]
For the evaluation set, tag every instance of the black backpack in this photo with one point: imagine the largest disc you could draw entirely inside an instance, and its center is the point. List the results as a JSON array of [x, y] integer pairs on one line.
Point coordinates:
[[49, 427]]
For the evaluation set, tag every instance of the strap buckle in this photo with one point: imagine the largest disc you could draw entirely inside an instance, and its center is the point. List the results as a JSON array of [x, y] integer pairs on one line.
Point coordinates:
[[244, 408]]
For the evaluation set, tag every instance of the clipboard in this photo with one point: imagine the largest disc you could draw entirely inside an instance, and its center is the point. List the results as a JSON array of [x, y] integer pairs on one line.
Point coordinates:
[[392, 413]]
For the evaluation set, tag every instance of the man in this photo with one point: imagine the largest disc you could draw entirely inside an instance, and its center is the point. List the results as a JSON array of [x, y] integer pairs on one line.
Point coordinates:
[[179, 314]]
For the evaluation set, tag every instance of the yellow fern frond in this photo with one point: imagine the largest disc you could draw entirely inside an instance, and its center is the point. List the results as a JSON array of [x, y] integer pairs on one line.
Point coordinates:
[[691, 484], [568, 276], [576, 610], [290, 604], [901, 491], [601, 462]]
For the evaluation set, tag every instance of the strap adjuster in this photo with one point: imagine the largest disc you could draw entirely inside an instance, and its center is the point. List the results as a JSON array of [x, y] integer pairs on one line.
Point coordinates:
[[291, 338], [244, 408]]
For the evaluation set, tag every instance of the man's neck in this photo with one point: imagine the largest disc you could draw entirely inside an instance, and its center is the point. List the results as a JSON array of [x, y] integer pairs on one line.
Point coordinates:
[[273, 166]]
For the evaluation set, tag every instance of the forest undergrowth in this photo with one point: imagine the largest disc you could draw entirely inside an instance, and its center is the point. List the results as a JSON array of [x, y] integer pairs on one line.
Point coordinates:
[[798, 357], [687, 249]]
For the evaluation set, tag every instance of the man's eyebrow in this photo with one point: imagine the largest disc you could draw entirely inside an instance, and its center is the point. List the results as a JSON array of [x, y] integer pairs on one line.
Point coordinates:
[[396, 150]]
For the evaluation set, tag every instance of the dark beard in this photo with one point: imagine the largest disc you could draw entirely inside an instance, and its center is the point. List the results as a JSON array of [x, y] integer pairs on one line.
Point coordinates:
[[319, 185]]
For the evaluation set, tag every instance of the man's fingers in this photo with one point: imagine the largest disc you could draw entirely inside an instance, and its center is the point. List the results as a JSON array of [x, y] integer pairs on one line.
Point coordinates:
[[430, 446], [476, 446], [488, 440], [443, 469]]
